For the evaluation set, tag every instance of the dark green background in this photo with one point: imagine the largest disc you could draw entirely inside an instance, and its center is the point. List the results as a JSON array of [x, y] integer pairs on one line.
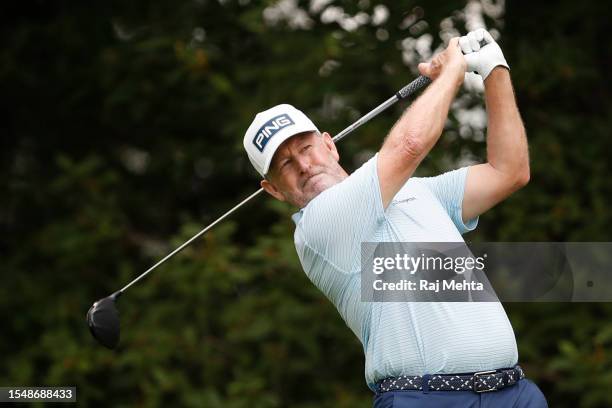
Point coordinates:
[[122, 136]]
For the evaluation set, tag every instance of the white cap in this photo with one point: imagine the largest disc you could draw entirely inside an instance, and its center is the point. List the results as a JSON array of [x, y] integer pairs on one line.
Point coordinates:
[[269, 129]]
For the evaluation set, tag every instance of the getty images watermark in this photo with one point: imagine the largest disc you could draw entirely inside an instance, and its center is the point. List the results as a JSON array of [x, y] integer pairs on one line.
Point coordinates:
[[421, 263], [486, 272]]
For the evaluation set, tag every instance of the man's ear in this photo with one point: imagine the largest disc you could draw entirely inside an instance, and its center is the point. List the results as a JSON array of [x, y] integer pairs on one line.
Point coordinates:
[[272, 190], [329, 143]]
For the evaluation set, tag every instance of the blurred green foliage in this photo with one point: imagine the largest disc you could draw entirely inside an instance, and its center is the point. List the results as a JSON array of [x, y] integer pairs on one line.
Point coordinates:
[[123, 126]]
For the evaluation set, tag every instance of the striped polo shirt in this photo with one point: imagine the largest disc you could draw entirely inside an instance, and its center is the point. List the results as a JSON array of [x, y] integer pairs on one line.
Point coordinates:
[[399, 338]]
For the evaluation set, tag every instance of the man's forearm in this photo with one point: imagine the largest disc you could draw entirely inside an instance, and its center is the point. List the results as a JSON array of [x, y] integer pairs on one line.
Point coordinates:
[[422, 123], [414, 134], [507, 149]]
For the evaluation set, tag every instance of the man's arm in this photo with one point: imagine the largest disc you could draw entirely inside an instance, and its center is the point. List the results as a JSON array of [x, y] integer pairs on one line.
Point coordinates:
[[507, 167], [419, 128]]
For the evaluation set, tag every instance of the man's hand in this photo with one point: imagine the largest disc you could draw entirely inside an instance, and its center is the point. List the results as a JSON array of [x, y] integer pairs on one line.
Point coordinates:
[[481, 60], [450, 62]]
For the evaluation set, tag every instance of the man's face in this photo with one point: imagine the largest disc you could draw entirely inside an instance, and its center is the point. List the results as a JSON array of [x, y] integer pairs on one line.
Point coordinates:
[[302, 167]]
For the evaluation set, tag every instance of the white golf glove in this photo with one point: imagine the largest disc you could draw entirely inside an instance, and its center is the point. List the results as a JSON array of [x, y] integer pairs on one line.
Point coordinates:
[[481, 59]]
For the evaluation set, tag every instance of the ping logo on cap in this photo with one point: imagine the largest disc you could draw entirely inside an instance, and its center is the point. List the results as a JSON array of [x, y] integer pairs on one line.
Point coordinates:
[[269, 129]]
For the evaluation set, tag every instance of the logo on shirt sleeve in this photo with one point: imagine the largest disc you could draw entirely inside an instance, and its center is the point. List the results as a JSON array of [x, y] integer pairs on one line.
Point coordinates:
[[269, 129]]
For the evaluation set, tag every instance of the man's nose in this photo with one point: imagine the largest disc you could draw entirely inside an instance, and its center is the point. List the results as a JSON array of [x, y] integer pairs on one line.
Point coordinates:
[[303, 163]]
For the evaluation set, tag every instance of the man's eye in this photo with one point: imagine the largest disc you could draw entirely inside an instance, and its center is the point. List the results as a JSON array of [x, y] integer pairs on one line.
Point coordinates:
[[306, 147]]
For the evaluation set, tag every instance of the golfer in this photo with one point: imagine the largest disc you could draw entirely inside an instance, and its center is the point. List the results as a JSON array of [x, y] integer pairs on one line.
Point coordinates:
[[417, 354]]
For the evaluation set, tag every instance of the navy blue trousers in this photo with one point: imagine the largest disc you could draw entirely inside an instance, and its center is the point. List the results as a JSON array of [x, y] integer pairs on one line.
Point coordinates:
[[524, 394]]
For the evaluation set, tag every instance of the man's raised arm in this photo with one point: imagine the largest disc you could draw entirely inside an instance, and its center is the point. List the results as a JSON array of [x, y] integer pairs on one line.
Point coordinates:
[[507, 167], [419, 128]]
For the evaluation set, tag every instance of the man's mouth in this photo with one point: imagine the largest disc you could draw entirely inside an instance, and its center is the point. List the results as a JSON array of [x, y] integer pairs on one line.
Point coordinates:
[[309, 179]]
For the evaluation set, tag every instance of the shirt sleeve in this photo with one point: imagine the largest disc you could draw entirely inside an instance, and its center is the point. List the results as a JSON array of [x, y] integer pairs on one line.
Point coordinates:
[[448, 189], [335, 223]]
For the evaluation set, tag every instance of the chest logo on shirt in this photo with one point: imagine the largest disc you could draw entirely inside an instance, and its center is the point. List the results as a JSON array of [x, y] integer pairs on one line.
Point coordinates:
[[404, 200]]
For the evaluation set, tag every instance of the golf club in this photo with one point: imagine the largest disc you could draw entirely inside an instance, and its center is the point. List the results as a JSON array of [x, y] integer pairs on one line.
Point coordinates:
[[103, 317]]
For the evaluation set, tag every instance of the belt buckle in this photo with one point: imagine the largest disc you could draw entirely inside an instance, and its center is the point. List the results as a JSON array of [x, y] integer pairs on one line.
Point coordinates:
[[475, 377]]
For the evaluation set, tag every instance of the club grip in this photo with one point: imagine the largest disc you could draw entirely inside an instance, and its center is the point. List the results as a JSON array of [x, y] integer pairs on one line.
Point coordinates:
[[413, 87], [419, 83]]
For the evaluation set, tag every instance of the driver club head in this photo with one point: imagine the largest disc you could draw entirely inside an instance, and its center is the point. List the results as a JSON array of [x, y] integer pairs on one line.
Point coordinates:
[[103, 321]]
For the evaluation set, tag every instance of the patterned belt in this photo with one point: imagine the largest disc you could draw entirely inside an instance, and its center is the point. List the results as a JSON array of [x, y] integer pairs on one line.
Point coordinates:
[[482, 381]]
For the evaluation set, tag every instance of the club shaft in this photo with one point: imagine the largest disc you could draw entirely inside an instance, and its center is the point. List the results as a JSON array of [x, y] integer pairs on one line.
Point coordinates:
[[196, 236], [365, 118], [408, 90]]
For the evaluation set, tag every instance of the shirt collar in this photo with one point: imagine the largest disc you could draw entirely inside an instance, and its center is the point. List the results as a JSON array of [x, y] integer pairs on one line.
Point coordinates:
[[296, 217]]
